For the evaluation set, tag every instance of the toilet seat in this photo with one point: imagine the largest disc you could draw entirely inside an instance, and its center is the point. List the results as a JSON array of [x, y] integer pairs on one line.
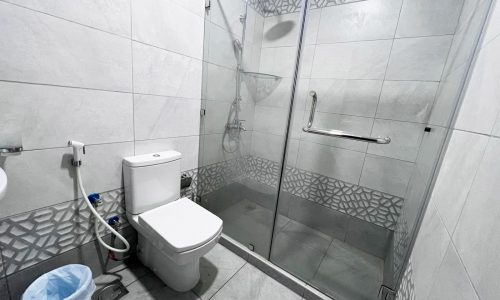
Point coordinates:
[[181, 225]]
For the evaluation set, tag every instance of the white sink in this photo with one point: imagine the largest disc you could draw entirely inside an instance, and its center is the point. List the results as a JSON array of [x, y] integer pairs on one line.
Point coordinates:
[[3, 183]]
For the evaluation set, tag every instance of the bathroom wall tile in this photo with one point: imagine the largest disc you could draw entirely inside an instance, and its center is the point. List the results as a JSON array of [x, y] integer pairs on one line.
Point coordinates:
[[334, 162], [98, 14], [409, 101], [280, 96], [187, 146], [432, 235], [226, 14], [427, 17], [168, 25], [164, 117], [364, 20], [196, 6], [430, 150], [447, 97], [217, 113], [48, 116], [357, 60], [467, 33], [67, 53], [480, 104], [4, 289], [221, 50], [493, 25], [478, 223], [350, 97], [452, 281], [268, 146], [463, 155], [161, 72], [355, 125], [51, 177], [213, 150], [270, 120], [418, 58], [278, 61], [386, 174], [405, 139], [221, 83]]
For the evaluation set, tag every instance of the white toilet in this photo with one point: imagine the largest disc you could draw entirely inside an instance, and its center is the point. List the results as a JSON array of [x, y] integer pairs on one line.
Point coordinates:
[[173, 233]]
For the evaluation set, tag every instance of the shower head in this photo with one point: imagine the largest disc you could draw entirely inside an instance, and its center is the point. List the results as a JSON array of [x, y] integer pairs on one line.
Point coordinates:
[[237, 44]]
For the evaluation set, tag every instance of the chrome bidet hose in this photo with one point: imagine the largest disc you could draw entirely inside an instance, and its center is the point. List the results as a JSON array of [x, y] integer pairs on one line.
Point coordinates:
[[98, 219]]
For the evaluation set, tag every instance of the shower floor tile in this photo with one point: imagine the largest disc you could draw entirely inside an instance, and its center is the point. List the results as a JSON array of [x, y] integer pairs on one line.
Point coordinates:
[[348, 273], [224, 275]]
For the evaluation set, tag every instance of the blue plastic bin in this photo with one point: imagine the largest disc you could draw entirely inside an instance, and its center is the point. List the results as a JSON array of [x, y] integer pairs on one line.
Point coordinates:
[[71, 282]]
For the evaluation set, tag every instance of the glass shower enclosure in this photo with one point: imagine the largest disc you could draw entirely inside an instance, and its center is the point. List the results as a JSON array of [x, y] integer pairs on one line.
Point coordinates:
[[322, 125]]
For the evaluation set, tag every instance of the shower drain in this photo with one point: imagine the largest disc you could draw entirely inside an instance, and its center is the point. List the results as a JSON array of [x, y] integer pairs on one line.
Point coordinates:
[[112, 291]]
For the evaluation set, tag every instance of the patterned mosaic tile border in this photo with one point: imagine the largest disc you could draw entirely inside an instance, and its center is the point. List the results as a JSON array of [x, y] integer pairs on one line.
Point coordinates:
[[364, 203], [269, 8], [29, 238], [407, 288]]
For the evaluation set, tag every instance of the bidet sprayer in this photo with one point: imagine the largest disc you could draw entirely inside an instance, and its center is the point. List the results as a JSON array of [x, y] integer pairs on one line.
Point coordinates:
[[78, 151]]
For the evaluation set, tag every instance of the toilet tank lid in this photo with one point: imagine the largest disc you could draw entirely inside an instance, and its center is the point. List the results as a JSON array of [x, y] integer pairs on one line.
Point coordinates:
[[151, 159]]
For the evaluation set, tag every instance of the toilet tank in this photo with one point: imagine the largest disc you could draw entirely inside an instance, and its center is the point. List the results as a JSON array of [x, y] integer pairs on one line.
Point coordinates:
[[151, 180]]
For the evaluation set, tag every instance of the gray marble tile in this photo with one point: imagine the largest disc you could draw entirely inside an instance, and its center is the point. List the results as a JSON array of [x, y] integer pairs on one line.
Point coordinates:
[[221, 48], [476, 236], [98, 14], [452, 281], [299, 249], [350, 97], [168, 25], [387, 175], [432, 235], [463, 155], [334, 162], [480, 105], [160, 72], [428, 17], [318, 217], [164, 117], [271, 120], [368, 237], [249, 223], [418, 58], [355, 60], [218, 81], [268, 146], [67, 53], [226, 14], [252, 284], [216, 268], [348, 273], [409, 101], [364, 20], [49, 116], [151, 287], [405, 139]]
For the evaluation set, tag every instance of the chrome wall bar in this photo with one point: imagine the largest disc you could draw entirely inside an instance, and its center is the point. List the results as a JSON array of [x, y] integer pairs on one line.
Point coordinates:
[[338, 133]]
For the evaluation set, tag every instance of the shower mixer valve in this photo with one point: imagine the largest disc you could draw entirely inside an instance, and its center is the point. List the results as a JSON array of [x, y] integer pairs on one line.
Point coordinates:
[[236, 125]]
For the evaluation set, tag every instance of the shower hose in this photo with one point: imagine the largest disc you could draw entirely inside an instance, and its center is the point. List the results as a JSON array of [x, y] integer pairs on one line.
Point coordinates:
[[98, 219]]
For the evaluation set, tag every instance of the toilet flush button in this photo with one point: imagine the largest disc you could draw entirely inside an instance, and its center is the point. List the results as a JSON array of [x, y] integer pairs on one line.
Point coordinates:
[[156, 155]]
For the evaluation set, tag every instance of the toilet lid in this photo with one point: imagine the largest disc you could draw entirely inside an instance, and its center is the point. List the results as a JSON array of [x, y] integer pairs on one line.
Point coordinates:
[[183, 224]]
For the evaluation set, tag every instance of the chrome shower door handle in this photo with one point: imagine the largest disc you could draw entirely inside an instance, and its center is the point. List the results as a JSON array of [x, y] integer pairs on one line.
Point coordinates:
[[338, 133]]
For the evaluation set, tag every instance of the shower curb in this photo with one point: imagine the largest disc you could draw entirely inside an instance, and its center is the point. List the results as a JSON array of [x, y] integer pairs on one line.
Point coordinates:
[[300, 287]]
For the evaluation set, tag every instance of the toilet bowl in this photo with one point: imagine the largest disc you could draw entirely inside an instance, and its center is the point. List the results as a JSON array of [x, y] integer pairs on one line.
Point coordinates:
[[173, 232]]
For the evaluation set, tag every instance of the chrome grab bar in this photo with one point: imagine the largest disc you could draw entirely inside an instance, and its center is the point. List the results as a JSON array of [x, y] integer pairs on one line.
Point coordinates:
[[338, 133]]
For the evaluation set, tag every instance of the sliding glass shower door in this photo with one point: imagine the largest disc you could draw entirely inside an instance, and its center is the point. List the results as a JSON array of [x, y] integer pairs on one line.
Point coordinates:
[[322, 125]]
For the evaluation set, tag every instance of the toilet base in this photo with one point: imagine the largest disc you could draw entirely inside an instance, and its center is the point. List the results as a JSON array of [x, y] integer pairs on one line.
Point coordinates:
[[181, 278]]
